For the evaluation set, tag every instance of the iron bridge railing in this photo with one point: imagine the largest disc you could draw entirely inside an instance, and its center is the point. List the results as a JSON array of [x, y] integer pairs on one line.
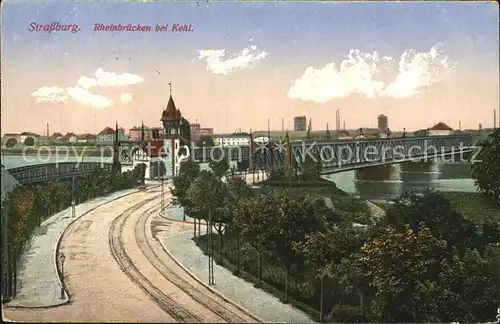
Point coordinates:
[[44, 172]]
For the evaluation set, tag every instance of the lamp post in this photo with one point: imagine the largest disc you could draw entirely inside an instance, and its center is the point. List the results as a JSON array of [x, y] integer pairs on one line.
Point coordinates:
[[62, 257]]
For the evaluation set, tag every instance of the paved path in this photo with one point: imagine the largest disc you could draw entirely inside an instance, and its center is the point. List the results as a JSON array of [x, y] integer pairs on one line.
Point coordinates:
[[38, 282], [256, 301], [100, 291]]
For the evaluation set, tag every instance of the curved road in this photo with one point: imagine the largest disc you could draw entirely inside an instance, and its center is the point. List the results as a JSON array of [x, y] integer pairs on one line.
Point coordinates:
[[116, 271]]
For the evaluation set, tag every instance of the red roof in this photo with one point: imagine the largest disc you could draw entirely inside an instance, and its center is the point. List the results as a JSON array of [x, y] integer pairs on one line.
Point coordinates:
[[87, 136], [107, 131], [10, 134], [441, 127], [153, 147], [56, 135]]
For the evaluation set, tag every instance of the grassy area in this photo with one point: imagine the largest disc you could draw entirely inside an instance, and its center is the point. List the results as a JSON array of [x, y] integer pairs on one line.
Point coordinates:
[[322, 188], [474, 207]]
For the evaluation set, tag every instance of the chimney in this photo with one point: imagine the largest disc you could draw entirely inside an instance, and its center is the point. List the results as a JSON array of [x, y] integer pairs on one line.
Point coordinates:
[[459, 125], [494, 119], [282, 124], [48, 134]]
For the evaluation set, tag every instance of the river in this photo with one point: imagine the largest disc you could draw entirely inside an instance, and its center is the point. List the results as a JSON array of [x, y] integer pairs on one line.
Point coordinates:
[[373, 184], [389, 182]]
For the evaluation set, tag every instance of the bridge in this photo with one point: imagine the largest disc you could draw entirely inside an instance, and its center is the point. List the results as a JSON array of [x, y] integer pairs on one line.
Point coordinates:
[[338, 156], [335, 156]]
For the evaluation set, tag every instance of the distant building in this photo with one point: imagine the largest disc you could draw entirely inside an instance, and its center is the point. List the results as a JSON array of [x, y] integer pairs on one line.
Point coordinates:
[[344, 135], [440, 129], [231, 139], [135, 132], [261, 139], [480, 126], [86, 138], [206, 132], [56, 135], [107, 136], [382, 122], [195, 131], [300, 123]]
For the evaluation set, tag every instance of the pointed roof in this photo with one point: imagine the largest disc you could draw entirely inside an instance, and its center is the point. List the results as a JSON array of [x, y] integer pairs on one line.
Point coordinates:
[[441, 127], [170, 113]]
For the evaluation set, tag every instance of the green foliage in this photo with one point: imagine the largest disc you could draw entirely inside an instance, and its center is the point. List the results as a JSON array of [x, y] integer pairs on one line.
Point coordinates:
[[426, 263], [311, 168], [486, 170], [11, 142], [433, 211], [205, 141], [29, 205], [29, 141], [219, 167]]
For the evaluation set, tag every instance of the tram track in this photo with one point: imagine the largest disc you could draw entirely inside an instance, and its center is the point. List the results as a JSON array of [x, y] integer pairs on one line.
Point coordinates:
[[145, 241], [166, 303]]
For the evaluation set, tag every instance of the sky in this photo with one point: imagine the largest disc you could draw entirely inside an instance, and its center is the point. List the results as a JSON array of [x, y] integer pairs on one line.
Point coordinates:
[[242, 63]]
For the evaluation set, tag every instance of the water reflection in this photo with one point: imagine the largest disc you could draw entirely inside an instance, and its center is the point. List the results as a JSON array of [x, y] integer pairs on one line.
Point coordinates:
[[389, 182]]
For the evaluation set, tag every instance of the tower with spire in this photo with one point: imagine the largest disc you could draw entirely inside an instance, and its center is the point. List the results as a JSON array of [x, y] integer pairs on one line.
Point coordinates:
[[171, 119]]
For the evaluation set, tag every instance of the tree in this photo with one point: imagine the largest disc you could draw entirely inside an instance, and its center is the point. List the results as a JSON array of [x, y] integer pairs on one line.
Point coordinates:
[[189, 170], [311, 168], [257, 217], [11, 142], [206, 196], [219, 167], [238, 190], [297, 218], [404, 269], [141, 170], [324, 250], [205, 140], [486, 168], [435, 212], [29, 141]]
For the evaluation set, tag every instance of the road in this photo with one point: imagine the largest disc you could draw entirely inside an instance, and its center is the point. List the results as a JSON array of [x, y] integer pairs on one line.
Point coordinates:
[[115, 271]]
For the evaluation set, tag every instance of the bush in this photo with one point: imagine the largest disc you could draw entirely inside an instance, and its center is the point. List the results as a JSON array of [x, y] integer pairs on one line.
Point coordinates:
[[11, 142], [29, 141]]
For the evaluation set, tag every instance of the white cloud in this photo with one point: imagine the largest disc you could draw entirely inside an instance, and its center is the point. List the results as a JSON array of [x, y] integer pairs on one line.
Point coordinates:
[[50, 94], [85, 97], [81, 94], [126, 98], [86, 82], [111, 79], [369, 75], [218, 64]]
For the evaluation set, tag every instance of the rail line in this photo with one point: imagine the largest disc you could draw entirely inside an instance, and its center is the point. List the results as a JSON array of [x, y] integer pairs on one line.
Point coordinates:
[[197, 294], [166, 303]]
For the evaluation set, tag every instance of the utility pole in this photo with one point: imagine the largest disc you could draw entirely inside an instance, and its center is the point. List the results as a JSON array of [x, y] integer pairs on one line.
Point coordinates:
[[73, 197], [210, 249], [162, 212]]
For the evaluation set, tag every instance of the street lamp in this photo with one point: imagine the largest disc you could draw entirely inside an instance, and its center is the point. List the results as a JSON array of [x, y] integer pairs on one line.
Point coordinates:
[[62, 257]]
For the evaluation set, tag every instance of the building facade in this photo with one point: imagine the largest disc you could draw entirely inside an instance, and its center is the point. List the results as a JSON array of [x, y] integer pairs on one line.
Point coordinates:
[[300, 123], [382, 122], [206, 131], [440, 129], [195, 131], [232, 140]]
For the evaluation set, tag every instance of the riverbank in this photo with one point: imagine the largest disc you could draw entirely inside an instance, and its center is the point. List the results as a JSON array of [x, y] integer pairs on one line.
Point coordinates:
[[363, 211]]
